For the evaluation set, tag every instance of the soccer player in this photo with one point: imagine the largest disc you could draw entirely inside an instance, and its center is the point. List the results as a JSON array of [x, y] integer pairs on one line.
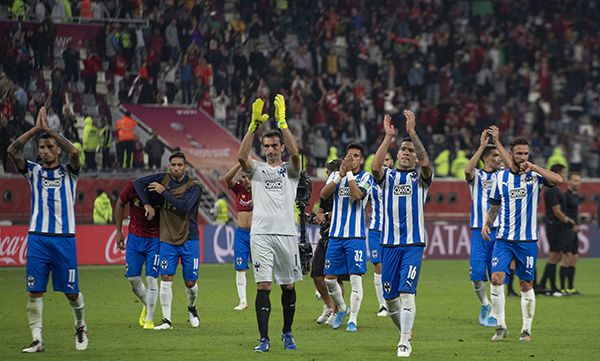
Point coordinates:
[[571, 202], [515, 196], [347, 248], [480, 184], [179, 236], [555, 220], [143, 245], [374, 237], [241, 241], [51, 238], [404, 192], [273, 235]]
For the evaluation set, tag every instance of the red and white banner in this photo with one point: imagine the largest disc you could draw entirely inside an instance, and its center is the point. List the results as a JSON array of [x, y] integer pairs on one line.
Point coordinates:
[[205, 143]]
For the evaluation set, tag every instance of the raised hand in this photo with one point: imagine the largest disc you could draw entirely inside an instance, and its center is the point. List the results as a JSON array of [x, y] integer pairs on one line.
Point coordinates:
[[495, 132], [343, 167], [257, 115], [483, 138], [388, 126], [410, 121], [280, 111], [39, 123], [526, 167]]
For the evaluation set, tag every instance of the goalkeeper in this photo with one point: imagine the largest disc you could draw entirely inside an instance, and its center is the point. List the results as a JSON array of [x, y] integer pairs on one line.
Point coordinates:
[[273, 235]]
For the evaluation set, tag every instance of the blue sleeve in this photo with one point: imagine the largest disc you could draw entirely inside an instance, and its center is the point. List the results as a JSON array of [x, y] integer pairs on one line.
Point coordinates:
[[187, 203], [141, 183]]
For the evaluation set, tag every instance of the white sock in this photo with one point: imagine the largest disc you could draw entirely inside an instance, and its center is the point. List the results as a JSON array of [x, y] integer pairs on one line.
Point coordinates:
[[166, 296], [393, 307], [138, 288], [335, 291], [151, 297], [355, 297], [240, 281], [407, 316], [34, 316], [378, 289], [497, 296], [78, 314], [527, 309], [481, 292], [192, 295]]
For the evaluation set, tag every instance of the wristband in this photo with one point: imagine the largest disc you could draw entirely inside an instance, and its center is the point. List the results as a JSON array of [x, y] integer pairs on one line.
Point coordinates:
[[337, 178], [349, 175]]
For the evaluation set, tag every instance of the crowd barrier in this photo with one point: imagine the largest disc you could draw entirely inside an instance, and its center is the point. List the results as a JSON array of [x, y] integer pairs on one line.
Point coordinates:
[[96, 245]]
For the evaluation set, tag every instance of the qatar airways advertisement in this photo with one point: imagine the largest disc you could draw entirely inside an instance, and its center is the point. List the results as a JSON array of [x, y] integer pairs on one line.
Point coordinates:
[[96, 245]]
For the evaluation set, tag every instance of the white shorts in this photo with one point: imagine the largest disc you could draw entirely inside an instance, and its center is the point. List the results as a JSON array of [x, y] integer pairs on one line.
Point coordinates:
[[275, 254]]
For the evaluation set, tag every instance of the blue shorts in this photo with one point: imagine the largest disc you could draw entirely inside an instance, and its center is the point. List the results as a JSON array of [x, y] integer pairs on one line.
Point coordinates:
[[346, 256], [142, 250], [480, 260], [524, 253], [54, 254], [400, 270], [189, 252], [241, 249], [374, 246]]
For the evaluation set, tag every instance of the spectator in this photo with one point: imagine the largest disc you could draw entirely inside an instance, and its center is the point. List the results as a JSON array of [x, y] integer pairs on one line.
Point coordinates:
[[90, 144], [172, 40], [125, 140], [220, 209], [186, 80], [54, 121], [169, 75], [155, 150], [91, 67], [105, 140], [207, 104], [71, 58], [220, 108], [459, 164], [102, 213]]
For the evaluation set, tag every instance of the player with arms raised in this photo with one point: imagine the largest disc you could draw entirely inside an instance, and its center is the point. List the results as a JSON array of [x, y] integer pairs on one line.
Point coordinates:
[[480, 184], [143, 246], [404, 192], [273, 235], [514, 198], [51, 237]]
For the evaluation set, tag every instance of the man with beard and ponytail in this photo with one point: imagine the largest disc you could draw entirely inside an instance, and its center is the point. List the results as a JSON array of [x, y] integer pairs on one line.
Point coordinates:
[[404, 193], [51, 237], [514, 199], [241, 242], [273, 235]]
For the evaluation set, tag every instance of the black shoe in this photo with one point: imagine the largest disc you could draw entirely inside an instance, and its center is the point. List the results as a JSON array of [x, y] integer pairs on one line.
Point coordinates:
[[541, 290]]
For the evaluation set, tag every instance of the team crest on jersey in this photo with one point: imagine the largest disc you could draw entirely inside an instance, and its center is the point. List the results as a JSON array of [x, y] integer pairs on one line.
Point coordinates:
[[494, 261], [344, 192], [282, 171], [517, 193], [273, 184], [387, 287], [327, 264], [164, 264], [402, 190], [529, 179], [487, 184], [238, 261], [256, 266], [30, 281], [413, 176]]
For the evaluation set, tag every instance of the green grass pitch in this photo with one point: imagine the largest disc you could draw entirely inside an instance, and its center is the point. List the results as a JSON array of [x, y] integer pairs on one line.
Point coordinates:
[[446, 325]]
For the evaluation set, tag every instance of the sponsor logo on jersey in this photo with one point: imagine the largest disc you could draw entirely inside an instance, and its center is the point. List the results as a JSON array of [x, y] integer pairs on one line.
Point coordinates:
[[273, 184], [402, 190], [487, 184], [52, 183], [344, 192], [517, 193]]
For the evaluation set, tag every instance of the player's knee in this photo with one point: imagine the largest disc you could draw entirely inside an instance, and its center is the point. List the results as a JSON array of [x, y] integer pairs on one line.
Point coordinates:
[[190, 284], [36, 294], [287, 287], [498, 278], [151, 282], [72, 296], [166, 277], [526, 285], [377, 268], [263, 286]]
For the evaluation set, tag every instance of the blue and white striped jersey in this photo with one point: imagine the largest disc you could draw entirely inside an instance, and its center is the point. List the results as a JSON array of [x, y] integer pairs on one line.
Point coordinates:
[[376, 222], [404, 193], [480, 187], [518, 196], [348, 216], [52, 199]]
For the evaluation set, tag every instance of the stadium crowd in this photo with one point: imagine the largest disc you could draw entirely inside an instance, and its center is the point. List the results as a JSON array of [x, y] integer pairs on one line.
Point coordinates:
[[530, 67]]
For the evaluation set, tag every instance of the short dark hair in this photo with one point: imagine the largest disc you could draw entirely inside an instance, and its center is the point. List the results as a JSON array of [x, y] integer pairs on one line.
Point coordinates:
[[557, 168], [571, 174], [356, 146], [406, 139], [178, 154], [46, 136], [488, 149], [518, 141], [272, 134]]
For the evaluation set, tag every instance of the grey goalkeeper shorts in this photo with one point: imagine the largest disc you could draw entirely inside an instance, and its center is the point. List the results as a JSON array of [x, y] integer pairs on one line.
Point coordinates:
[[274, 254]]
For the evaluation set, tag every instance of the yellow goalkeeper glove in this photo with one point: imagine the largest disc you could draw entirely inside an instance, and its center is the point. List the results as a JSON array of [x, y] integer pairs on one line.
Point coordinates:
[[257, 116], [280, 112]]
